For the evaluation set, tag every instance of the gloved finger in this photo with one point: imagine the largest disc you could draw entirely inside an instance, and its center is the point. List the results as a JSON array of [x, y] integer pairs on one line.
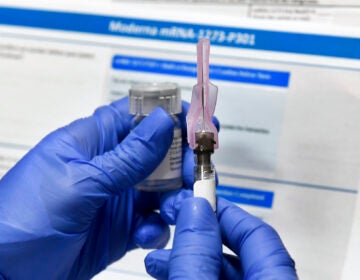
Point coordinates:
[[157, 263], [188, 168], [197, 247], [257, 244], [182, 118], [146, 201], [151, 232], [100, 132], [170, 204], [136, 156], [231, 268]]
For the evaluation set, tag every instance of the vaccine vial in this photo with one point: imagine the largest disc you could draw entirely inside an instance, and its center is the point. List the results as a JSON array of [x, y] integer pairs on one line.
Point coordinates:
[[143, 99]]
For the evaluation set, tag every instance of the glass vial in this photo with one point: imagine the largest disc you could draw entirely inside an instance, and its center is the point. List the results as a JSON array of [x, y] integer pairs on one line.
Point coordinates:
[[143, 99]]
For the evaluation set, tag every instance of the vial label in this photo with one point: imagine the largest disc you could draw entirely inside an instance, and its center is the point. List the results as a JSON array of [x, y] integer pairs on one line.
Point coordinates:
[[171, 165]]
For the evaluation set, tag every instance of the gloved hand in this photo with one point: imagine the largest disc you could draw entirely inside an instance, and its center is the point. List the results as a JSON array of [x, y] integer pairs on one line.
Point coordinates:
[[68, 208], [197, 246]]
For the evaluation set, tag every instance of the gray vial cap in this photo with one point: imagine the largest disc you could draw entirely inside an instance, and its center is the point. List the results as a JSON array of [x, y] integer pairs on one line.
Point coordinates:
[[145, 97]]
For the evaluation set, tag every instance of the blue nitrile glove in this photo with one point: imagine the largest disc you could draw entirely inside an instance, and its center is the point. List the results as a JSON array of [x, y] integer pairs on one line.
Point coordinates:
[[197, 252], [68, 208]]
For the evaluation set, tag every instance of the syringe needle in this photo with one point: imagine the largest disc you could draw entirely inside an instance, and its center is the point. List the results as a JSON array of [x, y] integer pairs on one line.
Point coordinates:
[[203, 77]]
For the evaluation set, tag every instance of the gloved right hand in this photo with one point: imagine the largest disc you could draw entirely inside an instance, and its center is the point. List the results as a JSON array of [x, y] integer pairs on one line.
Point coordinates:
[[197, 250]]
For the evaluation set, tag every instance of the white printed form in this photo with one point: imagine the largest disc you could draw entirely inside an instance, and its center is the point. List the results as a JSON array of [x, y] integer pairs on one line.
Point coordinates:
[[288, 105], [342, 12], [44, 84]]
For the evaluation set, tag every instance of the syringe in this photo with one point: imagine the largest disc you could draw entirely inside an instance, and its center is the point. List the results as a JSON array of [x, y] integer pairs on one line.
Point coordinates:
[[202, 133]]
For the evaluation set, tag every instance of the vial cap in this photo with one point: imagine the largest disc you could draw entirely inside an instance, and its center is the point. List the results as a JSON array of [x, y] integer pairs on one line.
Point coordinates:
[[145, 97]]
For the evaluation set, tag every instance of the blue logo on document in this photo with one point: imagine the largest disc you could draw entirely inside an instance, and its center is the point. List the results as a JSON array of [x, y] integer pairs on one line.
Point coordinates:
[[246, 196]]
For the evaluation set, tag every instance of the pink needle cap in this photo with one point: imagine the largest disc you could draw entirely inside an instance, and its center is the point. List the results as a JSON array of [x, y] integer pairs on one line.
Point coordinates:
[[203, 100]]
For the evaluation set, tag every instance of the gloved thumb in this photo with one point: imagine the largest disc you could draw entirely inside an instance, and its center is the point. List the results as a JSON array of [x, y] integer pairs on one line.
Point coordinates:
[[197, 246], [95, 180], [137, 155]]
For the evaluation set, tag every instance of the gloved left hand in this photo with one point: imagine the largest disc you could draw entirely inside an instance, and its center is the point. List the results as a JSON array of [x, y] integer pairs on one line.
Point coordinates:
[[68, 208]]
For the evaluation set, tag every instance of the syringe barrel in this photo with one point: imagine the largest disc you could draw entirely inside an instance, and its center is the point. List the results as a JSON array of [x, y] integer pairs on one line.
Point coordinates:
[[205, 183], [204, 148], [204, 172]]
